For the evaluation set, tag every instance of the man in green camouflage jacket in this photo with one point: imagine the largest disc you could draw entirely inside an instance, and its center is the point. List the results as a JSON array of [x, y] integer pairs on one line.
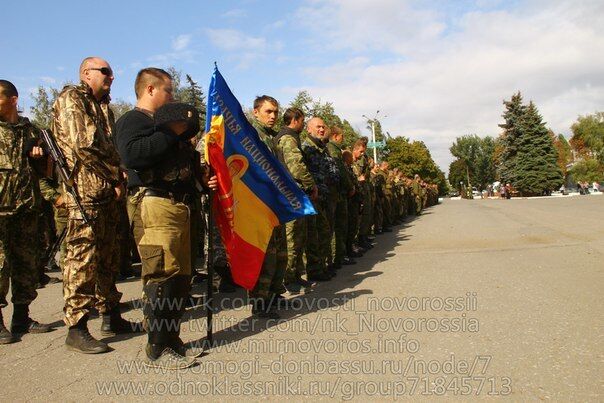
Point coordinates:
[[344, 190], [19, 202], [267, 294], [290, 154]]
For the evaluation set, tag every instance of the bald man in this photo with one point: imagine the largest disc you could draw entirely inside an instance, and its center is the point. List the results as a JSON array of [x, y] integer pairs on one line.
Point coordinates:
[[83, 124]]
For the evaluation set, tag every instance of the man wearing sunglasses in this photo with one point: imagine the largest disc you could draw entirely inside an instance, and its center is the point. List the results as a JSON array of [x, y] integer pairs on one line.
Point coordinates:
[[82, 124]]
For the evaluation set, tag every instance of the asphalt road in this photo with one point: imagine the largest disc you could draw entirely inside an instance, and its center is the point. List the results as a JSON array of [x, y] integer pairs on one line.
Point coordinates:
[[471, 300]]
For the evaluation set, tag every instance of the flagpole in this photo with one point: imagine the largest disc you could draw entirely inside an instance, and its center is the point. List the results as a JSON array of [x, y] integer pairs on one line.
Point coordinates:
[[210, 252]]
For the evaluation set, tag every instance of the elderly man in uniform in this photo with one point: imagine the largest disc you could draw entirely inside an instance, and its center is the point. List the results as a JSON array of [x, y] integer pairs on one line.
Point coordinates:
[[325, 175], [83, 123], [19, 194]]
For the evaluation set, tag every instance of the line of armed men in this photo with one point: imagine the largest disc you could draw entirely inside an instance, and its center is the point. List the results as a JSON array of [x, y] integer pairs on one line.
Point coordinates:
[[139, 190]]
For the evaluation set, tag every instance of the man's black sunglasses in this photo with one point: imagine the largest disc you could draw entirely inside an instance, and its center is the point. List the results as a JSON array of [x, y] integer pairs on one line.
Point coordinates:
[[106, 71]]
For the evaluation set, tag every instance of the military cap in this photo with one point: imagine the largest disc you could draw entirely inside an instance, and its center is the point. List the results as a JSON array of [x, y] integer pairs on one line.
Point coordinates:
[[178, 112]]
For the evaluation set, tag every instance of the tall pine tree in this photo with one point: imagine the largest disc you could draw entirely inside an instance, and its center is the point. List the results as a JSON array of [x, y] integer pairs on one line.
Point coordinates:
[[528, 158], [536, 170], [510, 138]]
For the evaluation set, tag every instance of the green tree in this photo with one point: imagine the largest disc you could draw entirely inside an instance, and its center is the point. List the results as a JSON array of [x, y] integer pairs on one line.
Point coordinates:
[[457, 174], [477, 155], [510, 138], [414, 158], [588, 136], [41, 111], [193, 95], [587, 170], [325, 110], [178, 90], [536, 169]]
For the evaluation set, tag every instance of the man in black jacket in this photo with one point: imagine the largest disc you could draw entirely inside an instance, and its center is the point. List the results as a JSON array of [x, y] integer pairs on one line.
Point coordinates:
[[160, 165]]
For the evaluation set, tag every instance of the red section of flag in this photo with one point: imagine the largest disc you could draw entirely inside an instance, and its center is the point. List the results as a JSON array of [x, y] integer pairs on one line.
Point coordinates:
[[246, 261], [223, 196]]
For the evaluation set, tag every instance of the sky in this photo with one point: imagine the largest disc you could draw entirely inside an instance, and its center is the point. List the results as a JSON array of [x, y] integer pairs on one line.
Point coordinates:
[[435, 70]]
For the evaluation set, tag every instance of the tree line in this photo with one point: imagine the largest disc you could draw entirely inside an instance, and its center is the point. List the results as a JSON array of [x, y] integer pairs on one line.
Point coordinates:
[[528, 155]]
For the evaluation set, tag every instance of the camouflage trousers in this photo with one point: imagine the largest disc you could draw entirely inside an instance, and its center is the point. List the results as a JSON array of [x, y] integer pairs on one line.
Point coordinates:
[[296, 241], [273, 267], [366, 218], [60, 216], [330, 211], [165, 247], [317, 243], [418, 205], [18, 260], [340, 230], [378, 214], [386, 211], [353, 223], [92, 262]]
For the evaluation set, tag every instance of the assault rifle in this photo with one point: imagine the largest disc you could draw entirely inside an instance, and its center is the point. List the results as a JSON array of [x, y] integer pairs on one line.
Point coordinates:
[[61, 163]]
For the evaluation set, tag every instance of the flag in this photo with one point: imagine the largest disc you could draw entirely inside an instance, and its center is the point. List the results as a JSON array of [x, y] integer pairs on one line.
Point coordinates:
[[255, 192]]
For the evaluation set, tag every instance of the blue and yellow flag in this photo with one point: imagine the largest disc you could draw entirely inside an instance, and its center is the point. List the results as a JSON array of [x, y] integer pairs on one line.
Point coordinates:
[[255, 192]]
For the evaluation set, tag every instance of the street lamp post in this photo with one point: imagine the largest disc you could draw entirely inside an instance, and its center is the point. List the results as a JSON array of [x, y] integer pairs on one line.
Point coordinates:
[[372, 121]]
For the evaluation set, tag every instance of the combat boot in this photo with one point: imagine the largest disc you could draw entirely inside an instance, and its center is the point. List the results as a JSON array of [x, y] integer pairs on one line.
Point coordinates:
[[189, 350], [262, 308], [79, 339], [22, 323], [5, 336], [163, 309], [160, 356], [113, 324]]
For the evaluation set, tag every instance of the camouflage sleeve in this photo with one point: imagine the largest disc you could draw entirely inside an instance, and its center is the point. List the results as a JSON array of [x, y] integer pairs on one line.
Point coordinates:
[[81, 129], [345, 180], [294, 161], [49, 189]]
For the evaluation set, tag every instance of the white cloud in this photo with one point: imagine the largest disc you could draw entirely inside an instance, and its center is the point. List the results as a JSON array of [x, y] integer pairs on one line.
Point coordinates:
[[181, 42], [179, 52], [443, 80], [235, 13], [244, 49], [48, 80]]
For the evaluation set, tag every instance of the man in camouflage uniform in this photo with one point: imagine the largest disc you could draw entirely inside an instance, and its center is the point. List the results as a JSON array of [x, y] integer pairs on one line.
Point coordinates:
[[290, 154], [325, 175], [378, 195], [267, 294], [343, 191], [354, 208], [363, 172], [82, 124], [386, 194], [19, 198], [417, 194]]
